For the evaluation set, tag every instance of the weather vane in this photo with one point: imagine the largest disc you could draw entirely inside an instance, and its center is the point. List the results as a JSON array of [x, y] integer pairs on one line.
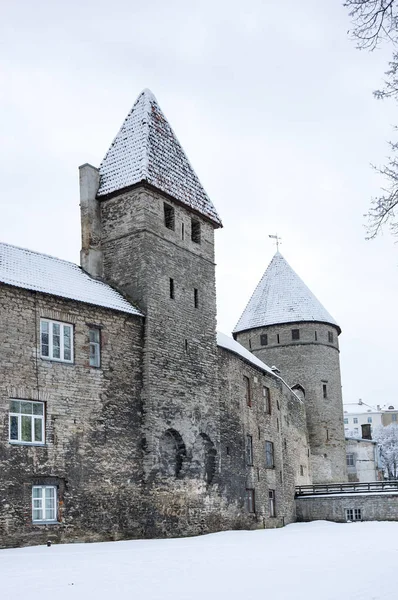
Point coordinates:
[[278, 240]]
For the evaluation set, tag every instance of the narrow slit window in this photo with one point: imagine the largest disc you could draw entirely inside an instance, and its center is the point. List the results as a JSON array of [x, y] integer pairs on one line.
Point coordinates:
[[249, 450], [277, 338], [248, 396], [267, 400], [169, 218], [196, 298], [271, 498], [171, 288], [269, 455], [316, 336], [195, 231], [330, 337], [183, 231], [324, 390]]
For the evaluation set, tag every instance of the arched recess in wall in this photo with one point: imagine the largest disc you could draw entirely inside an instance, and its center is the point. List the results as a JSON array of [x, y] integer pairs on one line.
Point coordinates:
[[299, 390], [172, 453], [205, 455]]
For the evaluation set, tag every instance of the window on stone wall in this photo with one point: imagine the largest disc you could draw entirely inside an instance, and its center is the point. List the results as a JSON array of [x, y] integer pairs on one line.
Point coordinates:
[[324, 390], [316, 336], [301, 470], [171, 286], [295, 334], [169, 218], [95, 347], [330, 337], [44, 504], [350, 459], [250, 500], [249, 450], [248, 396], [56, 341], [264, 339], [271, 499], [269, 455], [278, 338], [267, 399], [195, 231], [196, 298], [26, 422], [204, 457], [353, 514]]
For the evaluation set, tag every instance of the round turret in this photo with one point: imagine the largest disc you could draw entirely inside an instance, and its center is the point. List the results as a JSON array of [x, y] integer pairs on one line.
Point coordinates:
[[285, 325]]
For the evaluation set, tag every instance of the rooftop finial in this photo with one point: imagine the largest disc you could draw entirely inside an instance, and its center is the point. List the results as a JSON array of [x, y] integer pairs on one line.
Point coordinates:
[[278, 240]]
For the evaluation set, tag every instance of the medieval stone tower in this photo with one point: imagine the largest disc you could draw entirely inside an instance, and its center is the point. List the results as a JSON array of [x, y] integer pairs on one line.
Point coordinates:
[[148, 229], [286, 326]]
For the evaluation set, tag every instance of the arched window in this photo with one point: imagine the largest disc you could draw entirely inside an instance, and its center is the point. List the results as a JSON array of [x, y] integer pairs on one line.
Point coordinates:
[[172, 453]]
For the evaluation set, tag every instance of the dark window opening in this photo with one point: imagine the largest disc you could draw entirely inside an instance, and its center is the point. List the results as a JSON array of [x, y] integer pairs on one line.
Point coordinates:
[[330, 337], [182, 231], [324, 390], [227, 450], [186, 345], [264, 339], [251, 507], [269, 455], [277, 424], [316, 336], [247, 390], [295, 334], [196, 298], [168, 216], [195, 231], [285, 443], [277, 338], [301, 470], [249, 450], [171, 288], [267, 400], [206, 457]]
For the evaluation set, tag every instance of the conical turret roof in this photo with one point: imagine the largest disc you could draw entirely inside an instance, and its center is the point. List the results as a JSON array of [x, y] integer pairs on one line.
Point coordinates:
[[147, 150], [282, 297]]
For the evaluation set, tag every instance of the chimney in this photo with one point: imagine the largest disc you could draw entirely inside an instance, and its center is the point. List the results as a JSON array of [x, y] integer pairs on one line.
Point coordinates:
[[366, 431], [90, 215]]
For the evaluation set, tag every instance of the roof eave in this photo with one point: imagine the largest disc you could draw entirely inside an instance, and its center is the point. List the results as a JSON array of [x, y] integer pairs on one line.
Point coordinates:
[[236, 331]]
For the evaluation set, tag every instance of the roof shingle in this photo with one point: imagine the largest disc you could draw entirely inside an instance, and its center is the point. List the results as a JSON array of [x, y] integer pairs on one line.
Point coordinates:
[[147, 149], [282, 297]]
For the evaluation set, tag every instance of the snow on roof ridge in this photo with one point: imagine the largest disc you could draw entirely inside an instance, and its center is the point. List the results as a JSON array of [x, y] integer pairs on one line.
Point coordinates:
[[281, 296], [28, 269], [147, 149], [228, 343]]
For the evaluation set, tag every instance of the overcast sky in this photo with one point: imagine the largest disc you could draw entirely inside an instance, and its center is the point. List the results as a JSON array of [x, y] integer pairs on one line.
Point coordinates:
[[273, 106]]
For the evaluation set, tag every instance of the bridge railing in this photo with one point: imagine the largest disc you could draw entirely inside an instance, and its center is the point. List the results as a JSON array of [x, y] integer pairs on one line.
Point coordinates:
[[347, 488]]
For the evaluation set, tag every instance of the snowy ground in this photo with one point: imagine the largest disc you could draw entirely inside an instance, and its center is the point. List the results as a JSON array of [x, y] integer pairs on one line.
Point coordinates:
[[353, 561]]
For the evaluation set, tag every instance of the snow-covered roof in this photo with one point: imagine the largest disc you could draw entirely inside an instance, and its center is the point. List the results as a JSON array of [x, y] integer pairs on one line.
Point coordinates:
[[33, 271], [230, 344], [282, 297], [147, 149]]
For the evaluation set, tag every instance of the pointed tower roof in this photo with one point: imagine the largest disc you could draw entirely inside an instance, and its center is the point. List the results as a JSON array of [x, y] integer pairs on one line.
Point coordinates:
[[282, 297], [146, 149]]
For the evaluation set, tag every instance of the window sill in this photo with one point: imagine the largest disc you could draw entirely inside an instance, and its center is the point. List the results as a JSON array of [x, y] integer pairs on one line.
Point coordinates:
[[57, 360], [46, 523], [16, 443]]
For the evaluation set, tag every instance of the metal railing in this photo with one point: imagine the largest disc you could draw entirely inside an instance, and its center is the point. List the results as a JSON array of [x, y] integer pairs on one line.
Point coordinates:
[[346, 488]]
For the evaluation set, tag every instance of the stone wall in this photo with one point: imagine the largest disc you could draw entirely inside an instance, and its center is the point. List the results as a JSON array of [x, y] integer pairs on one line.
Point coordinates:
[[93, 416], [285, 427], [313, 362], [373, 507]]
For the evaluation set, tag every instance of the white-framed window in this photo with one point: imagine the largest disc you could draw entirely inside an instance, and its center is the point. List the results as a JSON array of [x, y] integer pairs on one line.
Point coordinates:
[[355, 420], [95, 347], [271, 498], [44, 504], [353, 514], [26, 422], [350, 459], [370, 419], [346, 421], [56, 340]]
